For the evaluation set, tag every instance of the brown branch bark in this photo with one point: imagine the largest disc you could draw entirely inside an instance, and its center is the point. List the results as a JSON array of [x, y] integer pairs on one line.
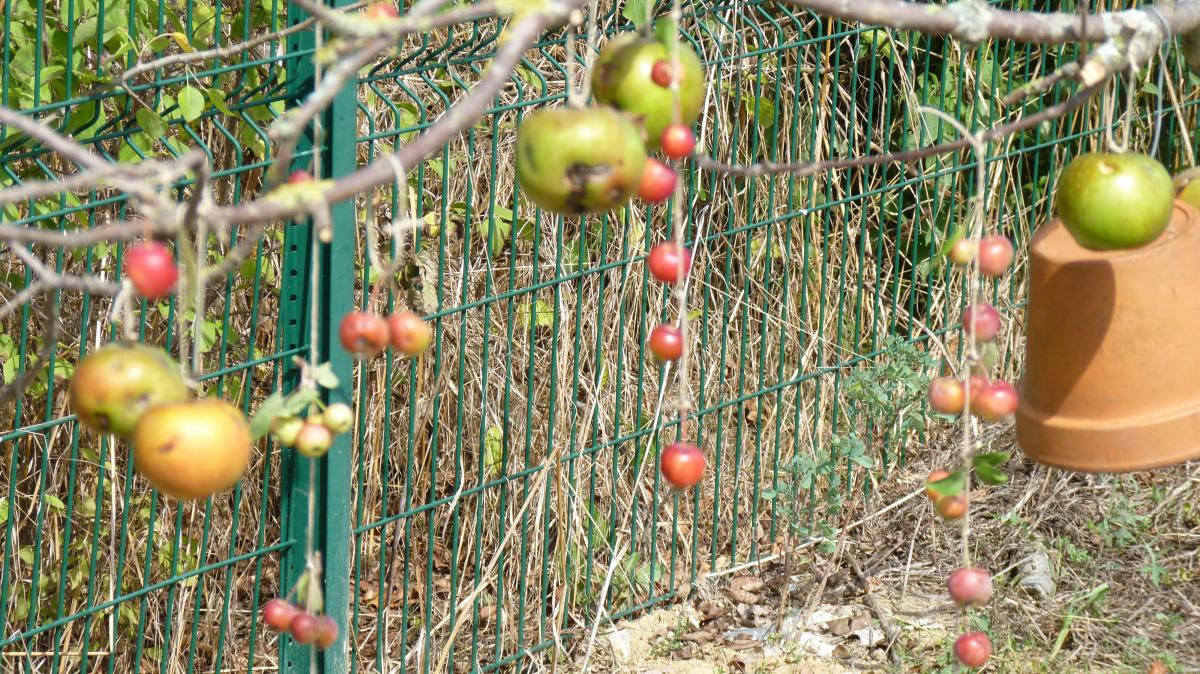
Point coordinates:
[[517, 38], [994, 133], [975, 21]]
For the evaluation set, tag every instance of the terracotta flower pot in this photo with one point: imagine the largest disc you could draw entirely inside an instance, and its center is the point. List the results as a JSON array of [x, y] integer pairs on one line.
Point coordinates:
[[1112, 378]]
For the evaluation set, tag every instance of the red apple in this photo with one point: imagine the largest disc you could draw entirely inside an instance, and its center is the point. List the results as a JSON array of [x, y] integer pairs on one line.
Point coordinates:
[[327, 632], [934, 477], [995, 255], [682, 465], [304, 628], [970, 586], [314, 439], [946, 395], [662, 72], [152, 270], [951, 507], [658, 182], [666, 343], [973, 649], [996, 401], [669, 262], [278, 614], [963, 251], [382, 10], [983, 320], [971, 393], [363, 334], [677, 141], [299, 177], [410, 334]]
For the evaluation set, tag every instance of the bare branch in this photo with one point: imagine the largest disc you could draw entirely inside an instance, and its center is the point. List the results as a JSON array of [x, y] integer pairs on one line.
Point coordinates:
[[157, 171], [225, 52], [52, 139], [460, 116], [52, 279], [995, 133], [975, 20]]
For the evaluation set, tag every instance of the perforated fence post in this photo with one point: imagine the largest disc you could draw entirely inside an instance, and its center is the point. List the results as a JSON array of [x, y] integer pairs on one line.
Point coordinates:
[[295, 314], [337, 285]]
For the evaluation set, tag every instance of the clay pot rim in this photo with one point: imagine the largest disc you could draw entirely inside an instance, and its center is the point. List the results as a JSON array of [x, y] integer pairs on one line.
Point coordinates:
[[1081, 254]]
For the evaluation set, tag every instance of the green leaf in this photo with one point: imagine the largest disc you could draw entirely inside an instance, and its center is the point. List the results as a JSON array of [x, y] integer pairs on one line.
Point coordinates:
[[324, 376], [638, 11], [260, 423], [493, 451], [951, 485], [495, 230], [666, 30], [216, 97], [55, 502], [299, 400], [764, 114], [191, 103], [991, 459], [989, 475], [151, 122]]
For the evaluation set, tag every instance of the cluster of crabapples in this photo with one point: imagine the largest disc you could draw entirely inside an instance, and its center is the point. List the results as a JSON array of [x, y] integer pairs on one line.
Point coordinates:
[[649, 91], [313, 435], [969, 587], [988, 399], [186, 448], [366, 335], [282, 616]]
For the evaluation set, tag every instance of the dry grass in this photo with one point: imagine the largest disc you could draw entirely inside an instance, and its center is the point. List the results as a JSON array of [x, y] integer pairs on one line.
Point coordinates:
[[798, 280]]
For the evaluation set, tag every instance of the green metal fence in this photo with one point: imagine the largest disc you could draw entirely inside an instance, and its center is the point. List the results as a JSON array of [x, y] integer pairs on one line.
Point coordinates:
[[492, 486]]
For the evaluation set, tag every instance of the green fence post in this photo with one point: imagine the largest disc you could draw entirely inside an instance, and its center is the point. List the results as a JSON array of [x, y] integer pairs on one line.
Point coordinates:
[[295, 318], [337, 285]]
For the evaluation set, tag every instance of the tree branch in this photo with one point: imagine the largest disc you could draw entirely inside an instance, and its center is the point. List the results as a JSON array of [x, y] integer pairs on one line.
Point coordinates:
[[994, 133], [976, 21], [517, 38]]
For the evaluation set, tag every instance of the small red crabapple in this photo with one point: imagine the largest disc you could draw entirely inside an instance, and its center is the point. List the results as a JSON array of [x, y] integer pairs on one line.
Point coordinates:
[[363, 334], [677, 141], [946, 395], [304, 628], [382, 10], [951, 507], [666, 261], [997, 400], [983, 320], [278, 614], [666, 343], [151, 268], [936, 475], [973, 649], [970, 586], [658, 182], [995, 255], [682, 465]]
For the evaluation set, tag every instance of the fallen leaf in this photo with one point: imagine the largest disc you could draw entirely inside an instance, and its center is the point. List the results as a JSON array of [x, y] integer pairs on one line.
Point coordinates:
[[746, 584], [741, 596]]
